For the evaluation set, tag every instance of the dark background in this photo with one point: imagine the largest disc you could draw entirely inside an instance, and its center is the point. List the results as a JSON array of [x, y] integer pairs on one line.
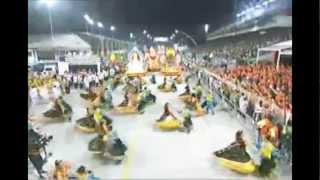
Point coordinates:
[[158, 17]]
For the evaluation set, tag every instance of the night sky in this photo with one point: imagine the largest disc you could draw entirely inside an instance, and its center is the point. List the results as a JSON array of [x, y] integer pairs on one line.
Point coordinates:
[[159, 17]]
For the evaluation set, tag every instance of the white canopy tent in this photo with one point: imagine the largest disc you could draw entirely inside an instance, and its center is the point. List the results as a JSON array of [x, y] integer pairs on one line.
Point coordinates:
[[283, 48]]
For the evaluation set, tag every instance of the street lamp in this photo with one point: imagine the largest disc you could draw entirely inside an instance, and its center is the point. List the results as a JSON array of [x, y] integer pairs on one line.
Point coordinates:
[[112, 28], [131, 35], [100, 25], [176, 31], [206, 28], [87, 18], [49, 4], [145, 32]]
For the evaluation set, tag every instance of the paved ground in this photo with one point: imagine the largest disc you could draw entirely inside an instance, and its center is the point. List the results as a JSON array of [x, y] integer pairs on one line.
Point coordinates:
[[151, 153]]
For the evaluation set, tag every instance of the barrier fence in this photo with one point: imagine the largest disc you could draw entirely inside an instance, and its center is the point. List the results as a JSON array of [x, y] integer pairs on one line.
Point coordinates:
[[218, 86]]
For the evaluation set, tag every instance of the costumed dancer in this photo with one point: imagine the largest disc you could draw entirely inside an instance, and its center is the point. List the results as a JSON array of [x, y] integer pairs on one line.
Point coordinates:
[[263, 130], [59, 108], [166, 113], [114, 148], [209, 103], [87, 123], [61, 170], [187, 90], [187, 122], [199, 90], [146, 98], [235, 156], [153, 79], [164, 84]]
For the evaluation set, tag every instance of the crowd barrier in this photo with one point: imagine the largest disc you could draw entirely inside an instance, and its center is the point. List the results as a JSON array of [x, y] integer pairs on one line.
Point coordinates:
[[246, 118]]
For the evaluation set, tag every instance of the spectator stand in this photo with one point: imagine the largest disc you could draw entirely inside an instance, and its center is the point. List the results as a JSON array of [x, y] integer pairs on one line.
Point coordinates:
[[282, 48], [225, 90]]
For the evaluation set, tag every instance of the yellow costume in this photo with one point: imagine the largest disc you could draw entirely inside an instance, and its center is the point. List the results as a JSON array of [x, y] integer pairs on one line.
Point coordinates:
[[171, 67], [169, 124]]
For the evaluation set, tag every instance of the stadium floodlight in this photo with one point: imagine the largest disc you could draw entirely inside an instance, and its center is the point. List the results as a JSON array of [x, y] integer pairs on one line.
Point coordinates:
[[258, 12], [100, 25], [112, 28], [176, 31], [145, 32], [49, 3], [206, 28], [86, 17], [265, 3], [91, 22]]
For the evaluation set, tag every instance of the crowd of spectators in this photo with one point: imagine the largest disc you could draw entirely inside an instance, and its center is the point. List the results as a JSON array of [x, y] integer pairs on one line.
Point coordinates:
[[271, 86], [264, 80], [241, 48]]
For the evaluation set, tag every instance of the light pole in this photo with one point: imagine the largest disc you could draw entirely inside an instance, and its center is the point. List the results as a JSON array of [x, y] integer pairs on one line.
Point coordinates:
[[89, 21], [206, 28], [100, 26], [87, 18], [188, 36], [49, 4], [112, 28]]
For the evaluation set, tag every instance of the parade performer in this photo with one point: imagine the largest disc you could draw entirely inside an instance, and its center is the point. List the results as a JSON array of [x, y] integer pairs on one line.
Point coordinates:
[[96, 145], [59, 109], [153, 79], [153, 60], [130, 103], [194, 104], [164, 84], [236, 157], [100, 101], [263, 126], [90, 95], [187, 122], [166, 113], [209, 103], [199, 90], [168, 120], [268, 155], [61, 170], [146, 98], [167, 87], [186, 91], [179, 79], [114, 148], [82, 173], [87, 124]]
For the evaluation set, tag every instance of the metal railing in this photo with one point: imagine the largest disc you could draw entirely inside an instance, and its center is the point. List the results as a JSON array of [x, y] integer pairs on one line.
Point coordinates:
[[245, 118]]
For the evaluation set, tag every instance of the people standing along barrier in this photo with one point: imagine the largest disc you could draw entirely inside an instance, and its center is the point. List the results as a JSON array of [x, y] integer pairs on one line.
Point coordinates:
[[225, 88]]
